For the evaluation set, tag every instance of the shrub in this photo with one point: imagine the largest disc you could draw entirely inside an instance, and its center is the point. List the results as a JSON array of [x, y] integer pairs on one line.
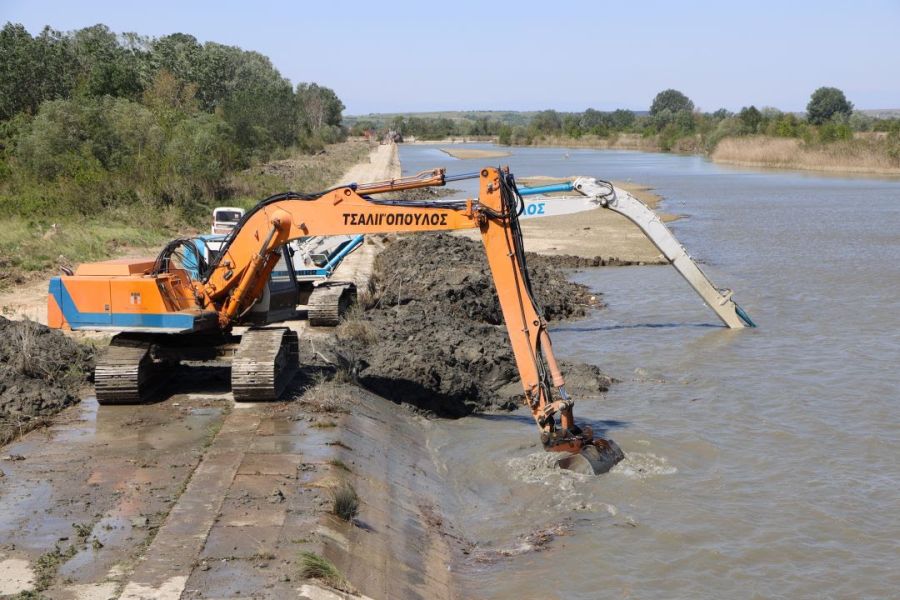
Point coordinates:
[[344, 501], [832, 132]]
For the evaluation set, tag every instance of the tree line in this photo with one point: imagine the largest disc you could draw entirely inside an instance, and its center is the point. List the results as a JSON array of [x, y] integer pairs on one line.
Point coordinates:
[[91, 120], [673, 121]]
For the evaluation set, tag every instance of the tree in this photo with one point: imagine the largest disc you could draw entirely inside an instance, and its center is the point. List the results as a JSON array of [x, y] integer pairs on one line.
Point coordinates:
[[170, 98], [33, 69], [592, 121], [105, 67], [750, 119], [722, 113], [319, 106], [178, 53], [825, 103], [671, 100], [546, 121], [621, 118]]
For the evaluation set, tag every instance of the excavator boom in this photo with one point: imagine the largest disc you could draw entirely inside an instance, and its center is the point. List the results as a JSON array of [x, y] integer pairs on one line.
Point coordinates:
[[595, 193]]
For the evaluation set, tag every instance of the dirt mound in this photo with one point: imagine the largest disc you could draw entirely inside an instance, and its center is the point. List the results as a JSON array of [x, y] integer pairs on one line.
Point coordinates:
[[40, 373], [433, 336], [569, 261]]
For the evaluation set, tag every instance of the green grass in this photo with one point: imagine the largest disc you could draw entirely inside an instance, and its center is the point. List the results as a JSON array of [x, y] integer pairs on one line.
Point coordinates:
[[40, 229], [344, 501], [36, 246], [47, 565], [313, 566]]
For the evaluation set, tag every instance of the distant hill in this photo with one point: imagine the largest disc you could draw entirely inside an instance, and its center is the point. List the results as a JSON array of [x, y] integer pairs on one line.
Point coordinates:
[[509, 117], [881, 113], [514, 117]]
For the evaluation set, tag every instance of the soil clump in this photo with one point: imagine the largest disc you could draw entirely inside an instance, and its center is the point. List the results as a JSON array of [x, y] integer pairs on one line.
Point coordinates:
[[41, 371], [431, 332]]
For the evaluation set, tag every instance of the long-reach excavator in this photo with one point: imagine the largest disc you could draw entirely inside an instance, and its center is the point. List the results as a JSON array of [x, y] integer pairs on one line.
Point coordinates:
[[165, 317]]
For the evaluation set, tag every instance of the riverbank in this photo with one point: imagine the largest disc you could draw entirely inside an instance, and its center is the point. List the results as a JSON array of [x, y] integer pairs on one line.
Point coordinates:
[[858, 156], [470, 153], [863, 156], [196, 495]]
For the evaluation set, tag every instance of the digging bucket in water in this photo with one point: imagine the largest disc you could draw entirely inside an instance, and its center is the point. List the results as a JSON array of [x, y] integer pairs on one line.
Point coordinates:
[[595, 459]]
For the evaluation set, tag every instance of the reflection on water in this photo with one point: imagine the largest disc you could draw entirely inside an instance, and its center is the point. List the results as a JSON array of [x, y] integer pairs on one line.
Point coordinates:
[[762, 463]]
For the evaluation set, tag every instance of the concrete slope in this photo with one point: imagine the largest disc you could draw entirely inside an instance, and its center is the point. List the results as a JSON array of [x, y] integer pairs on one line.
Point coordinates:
[[196, 496]]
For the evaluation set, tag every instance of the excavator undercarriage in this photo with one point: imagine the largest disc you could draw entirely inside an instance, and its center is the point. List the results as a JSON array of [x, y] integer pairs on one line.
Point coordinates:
[[135, 366], [329, 302]]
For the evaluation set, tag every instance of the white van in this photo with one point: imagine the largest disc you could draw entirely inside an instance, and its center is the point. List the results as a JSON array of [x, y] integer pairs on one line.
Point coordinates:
[[225, 218]]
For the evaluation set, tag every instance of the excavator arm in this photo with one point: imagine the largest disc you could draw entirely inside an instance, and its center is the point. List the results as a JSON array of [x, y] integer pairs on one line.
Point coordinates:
[[595, 193], [236, 280]]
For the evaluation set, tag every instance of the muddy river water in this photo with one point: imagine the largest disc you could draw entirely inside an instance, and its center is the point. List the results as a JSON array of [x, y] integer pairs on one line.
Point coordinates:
[[761, 463]]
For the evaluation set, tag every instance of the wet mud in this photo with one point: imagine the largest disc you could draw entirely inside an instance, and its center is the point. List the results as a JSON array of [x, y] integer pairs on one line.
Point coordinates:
[[41, 372], [431, 333]]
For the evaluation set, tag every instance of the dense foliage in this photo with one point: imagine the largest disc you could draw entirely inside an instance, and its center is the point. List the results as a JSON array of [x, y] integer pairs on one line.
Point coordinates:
[[827, 103], [93, 121]]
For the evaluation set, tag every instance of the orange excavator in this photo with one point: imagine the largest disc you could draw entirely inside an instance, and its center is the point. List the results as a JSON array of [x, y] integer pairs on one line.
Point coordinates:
[[165, 317]]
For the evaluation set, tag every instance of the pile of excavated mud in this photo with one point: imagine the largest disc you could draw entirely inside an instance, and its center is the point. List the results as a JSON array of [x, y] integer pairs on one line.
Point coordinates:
[[41, 371], [432, 333]]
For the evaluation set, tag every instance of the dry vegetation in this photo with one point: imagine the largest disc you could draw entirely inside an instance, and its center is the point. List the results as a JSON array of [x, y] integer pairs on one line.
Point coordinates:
[[848, 156], [313, 566], [332, 396], [620, 141]]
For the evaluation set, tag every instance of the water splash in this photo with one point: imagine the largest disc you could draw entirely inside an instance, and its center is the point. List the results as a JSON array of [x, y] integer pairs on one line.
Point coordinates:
[[643, 465]]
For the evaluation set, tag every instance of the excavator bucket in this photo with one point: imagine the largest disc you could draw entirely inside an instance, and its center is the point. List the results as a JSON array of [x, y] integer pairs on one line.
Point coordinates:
[[594, 459]]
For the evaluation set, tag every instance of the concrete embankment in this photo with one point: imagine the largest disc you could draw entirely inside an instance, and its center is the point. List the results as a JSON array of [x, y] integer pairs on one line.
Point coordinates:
[[197, 496]]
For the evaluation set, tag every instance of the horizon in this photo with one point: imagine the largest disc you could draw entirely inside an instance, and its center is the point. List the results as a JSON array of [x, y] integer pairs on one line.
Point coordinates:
[[768, 55]]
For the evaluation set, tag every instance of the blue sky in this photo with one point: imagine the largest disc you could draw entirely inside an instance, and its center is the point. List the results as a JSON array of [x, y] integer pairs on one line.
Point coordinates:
[[567, 55]]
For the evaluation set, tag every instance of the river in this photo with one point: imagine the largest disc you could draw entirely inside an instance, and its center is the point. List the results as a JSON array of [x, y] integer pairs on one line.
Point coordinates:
[[761, 463]]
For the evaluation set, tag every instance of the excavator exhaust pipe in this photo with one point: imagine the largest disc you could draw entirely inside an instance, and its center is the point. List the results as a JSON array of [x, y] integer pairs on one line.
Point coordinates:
[[596, 458]]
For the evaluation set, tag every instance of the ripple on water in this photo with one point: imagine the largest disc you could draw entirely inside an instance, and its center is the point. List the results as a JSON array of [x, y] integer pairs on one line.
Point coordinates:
[[643, 465]]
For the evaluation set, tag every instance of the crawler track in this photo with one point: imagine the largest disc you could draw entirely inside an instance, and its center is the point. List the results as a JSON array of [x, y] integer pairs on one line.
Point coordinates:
[[126, 373], [329, 302], [265, 362]]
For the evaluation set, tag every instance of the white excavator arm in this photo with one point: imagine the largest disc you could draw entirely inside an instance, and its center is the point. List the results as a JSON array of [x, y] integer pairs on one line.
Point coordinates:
[[595, 193]]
